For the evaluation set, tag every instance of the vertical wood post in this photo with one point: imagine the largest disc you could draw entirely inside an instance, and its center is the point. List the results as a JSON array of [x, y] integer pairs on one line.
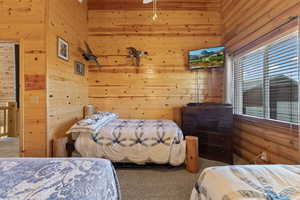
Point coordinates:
[[88, 110], [59, 147], [192, 156], [12, 119], [5, 122]]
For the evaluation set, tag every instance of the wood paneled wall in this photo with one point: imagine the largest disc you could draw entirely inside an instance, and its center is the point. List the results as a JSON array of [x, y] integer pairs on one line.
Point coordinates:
[[202, 5], [254, 136], [243, 22], [24, 22], [52, 96], [162, 84], [67, 92], [246, 20]]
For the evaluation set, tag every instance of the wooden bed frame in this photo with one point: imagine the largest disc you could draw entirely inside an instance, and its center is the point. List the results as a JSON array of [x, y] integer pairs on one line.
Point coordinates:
[[64, 147]]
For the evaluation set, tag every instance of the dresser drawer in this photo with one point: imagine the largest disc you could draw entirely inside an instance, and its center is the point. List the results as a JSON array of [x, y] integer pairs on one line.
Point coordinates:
[[212, 124]]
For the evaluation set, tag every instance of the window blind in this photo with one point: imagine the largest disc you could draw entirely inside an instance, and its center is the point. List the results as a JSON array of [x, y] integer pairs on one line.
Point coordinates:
[[266, 81]]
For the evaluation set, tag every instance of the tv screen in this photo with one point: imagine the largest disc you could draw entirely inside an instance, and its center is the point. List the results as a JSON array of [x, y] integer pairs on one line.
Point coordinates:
[[207, 58]]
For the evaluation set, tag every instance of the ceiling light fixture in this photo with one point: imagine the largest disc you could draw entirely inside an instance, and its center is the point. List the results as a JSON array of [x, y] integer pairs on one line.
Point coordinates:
[[147, 1]]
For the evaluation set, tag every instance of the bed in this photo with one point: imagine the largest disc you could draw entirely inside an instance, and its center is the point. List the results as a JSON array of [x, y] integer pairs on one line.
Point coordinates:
[[272, 182], [136, 141], [42, 178]]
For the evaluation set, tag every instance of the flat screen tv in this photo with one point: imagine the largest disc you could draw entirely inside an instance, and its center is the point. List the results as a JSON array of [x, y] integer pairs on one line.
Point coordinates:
[[206, 58]]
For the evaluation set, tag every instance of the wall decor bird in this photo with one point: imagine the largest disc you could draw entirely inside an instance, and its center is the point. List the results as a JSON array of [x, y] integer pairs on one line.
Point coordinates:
[[136, 55], [88, 54]]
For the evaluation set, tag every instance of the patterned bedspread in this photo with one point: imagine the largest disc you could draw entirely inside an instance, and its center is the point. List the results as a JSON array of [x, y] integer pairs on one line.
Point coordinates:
[[137, 141], [271, 182], [74, 179]]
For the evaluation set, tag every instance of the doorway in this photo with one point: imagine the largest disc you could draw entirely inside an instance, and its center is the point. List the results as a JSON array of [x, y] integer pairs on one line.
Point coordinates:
[[9, 99]]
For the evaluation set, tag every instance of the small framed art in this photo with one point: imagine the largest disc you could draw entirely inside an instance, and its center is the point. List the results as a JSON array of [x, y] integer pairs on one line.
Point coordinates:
[[62, 49], [79, 68]]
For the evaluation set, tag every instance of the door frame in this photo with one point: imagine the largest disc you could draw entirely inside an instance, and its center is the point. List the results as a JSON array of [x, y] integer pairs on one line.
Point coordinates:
[[21, 97], [20, 91]]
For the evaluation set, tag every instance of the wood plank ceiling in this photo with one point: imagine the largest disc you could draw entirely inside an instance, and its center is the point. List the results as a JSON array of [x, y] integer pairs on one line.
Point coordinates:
[[204, 5]]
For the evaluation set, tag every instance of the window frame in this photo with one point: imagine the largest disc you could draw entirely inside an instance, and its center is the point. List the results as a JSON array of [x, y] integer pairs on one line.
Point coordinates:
[[237, 93]]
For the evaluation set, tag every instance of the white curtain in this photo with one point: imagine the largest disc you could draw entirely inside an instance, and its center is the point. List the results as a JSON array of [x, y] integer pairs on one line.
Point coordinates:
[[228, 93]]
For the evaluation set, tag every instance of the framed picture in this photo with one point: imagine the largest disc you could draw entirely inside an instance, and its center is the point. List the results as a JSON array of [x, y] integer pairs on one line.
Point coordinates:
[[79, 68], [62, 49]]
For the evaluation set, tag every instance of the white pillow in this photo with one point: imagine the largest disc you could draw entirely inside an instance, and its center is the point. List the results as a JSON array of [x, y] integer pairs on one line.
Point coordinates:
[[93, 123], [99, 114]]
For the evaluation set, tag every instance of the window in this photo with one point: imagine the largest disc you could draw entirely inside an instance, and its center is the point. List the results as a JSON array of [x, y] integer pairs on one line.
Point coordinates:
[[266, 81]]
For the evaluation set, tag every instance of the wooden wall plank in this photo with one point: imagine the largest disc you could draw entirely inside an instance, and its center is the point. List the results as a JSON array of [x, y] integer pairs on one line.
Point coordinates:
[[281, 147], [24, 22], [67, 92], [162, 4], [244, 21], [34, 99], [162, 84]]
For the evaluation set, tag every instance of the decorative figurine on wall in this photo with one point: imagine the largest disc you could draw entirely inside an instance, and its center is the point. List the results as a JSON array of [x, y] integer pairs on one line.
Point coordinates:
[[89, 55], [136, 55]]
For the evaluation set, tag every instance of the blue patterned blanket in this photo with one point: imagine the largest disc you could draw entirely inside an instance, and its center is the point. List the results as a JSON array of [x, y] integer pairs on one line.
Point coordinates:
[[41, 178]]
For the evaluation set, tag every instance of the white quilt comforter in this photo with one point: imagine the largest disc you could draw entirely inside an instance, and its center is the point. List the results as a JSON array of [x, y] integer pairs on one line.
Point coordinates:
[[137, 141], [271, 182]]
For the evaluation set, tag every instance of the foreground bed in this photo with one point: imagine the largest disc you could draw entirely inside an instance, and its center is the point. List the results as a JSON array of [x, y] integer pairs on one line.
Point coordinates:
[[138, 141], [272, 182], [84, 179]]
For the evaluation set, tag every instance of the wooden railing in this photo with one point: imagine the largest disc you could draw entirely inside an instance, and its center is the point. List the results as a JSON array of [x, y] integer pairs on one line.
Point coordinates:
[[9, 120], [4, 121]]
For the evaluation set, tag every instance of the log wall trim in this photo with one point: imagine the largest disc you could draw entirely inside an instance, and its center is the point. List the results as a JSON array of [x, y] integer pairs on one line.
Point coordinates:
[[278, 32], [253, 136], [274, 125], [245, 21]]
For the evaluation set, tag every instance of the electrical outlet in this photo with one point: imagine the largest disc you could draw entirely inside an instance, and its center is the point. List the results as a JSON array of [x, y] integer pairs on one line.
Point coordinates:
[[264, 156]]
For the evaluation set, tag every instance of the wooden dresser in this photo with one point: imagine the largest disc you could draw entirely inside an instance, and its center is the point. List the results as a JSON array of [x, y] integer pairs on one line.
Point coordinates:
[[212, 124]]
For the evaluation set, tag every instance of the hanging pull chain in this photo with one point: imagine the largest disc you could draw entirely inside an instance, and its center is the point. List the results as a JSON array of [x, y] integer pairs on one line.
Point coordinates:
[[155, 16]]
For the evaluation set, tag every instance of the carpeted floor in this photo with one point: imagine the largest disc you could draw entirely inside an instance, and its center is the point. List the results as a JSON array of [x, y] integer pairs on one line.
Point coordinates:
[[160, 182], [9, 147]]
